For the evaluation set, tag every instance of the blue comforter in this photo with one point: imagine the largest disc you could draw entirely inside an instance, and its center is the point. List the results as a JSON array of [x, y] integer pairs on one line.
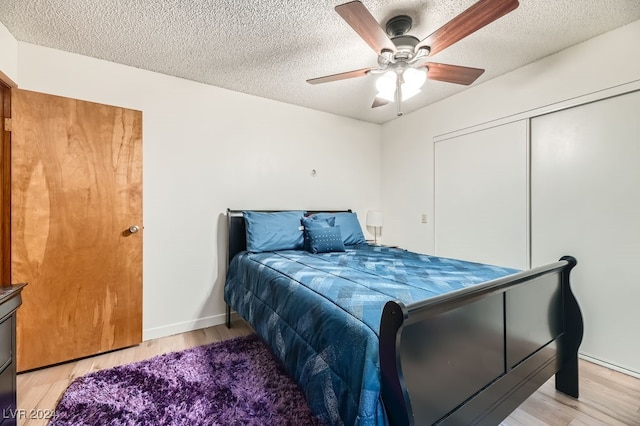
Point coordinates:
[[320, 314]]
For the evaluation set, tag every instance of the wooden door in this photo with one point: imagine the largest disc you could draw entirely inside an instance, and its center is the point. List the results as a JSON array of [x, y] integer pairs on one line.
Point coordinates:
[[5, 184], [76, 190]]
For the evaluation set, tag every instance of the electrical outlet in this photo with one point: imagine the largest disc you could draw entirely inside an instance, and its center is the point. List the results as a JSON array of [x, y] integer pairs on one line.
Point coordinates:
[[424, 218]]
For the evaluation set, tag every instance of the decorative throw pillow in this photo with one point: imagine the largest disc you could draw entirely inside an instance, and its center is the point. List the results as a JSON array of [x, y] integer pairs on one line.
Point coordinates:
[[324, 239], [271, 231], [312, 222], [349, 224]]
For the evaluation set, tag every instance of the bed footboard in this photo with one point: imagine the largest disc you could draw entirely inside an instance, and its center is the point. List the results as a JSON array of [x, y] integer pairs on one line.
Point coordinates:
[[474, 355]]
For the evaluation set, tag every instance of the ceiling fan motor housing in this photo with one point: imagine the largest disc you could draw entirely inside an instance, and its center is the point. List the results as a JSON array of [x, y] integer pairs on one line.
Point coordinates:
[[406, 46], [399, 25], [397, 29]]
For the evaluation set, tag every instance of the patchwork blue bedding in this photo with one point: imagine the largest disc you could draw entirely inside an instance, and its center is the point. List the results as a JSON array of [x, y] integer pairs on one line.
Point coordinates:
[[320, 314]]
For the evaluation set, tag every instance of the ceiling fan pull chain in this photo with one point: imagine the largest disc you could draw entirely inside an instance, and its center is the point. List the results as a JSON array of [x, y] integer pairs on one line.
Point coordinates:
[[399, 82]]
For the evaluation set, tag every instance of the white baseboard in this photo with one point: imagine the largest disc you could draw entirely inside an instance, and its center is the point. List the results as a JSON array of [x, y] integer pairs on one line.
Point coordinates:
[[183, 327], [610, 366]]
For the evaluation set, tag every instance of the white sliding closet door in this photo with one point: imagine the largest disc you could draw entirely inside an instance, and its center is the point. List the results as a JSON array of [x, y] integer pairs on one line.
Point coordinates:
[[585, 201], [481, 196]]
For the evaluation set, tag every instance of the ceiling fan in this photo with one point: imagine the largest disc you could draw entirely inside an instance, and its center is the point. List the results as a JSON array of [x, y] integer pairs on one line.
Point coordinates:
[[402, 57]]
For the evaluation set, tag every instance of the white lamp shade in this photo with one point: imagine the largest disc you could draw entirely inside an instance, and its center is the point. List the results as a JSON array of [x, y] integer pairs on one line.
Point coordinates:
[[386, 82], [386, 86], [374, 218], [413, 81], [414, 78]]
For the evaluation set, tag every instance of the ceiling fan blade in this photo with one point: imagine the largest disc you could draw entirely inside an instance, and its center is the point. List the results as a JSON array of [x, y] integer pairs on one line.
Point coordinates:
[[361, 20], [378, 102], [340, 76], [452, 73], [477, 16]]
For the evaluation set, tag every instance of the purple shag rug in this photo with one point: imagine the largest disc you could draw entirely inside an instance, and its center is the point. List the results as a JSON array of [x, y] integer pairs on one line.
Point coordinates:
[[234, 382]]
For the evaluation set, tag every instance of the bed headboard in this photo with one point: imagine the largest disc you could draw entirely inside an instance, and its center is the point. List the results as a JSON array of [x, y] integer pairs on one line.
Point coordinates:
[[236, 235]]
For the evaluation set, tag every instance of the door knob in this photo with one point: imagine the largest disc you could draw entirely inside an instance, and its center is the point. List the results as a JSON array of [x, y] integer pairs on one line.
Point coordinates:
[[133, 229]]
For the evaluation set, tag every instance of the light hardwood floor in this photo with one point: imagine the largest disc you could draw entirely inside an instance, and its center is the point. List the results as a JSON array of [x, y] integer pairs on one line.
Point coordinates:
[[606, 397]]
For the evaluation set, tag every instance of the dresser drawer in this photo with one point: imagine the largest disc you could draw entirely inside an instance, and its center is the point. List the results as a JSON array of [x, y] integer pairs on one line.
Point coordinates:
[[6, 337], [7, 392]]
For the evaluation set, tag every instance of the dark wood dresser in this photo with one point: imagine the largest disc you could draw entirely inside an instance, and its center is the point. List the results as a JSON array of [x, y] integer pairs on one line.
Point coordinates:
[[10, 300]]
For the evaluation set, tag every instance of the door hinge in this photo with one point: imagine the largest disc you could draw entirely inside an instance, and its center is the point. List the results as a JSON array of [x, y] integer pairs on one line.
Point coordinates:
[[7, 124]]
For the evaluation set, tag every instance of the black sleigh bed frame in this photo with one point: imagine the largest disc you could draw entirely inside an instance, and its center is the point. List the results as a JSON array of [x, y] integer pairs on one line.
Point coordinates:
[[474, 355]]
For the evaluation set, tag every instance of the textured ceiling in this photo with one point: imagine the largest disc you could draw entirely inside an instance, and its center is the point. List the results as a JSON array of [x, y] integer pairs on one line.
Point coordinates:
[[269, 48]]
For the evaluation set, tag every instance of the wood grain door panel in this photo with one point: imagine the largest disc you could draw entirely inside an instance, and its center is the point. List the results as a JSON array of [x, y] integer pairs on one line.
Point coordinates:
[[76, 189], [5, 185]]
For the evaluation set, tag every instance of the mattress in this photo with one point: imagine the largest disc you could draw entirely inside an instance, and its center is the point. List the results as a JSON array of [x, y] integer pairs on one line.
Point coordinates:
[[320, 315]]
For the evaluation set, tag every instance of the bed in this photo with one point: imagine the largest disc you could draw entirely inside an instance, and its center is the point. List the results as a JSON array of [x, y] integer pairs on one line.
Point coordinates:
[[379, 335]]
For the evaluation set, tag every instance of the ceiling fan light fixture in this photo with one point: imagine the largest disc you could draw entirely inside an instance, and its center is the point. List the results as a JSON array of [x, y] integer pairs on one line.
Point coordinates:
[[386, 86], [402, 58], [414, 78]]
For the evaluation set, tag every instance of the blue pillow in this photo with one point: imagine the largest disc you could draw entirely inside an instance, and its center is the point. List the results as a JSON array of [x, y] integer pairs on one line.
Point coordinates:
[[273, 230], [324, 239], [349, 225], [314, 222]]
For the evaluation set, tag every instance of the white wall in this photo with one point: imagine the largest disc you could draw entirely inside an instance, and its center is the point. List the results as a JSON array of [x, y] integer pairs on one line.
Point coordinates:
[[8, 56], [207, 149], [407, 144]]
